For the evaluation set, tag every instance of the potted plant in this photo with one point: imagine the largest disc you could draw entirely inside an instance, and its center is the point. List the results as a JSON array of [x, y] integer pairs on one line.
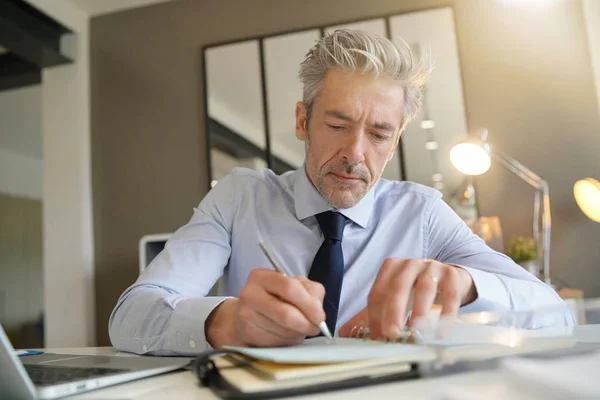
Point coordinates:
[[522, 251]]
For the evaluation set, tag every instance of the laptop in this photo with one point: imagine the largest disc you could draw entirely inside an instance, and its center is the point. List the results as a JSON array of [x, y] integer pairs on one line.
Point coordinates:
[[50, 376]]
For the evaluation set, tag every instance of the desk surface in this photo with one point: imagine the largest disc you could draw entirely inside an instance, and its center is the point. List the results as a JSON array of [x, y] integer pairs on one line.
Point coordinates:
[[184, 385]]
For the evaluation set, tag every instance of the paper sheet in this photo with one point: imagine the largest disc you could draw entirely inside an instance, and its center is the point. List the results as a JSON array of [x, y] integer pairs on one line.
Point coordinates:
[[318, 351]]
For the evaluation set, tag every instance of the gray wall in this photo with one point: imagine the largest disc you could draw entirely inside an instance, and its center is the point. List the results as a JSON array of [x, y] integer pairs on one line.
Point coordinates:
[[21, 269], [21, 272], [527, 77]]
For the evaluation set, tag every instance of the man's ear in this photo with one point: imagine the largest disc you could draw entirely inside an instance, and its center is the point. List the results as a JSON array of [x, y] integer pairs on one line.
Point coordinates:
[[300, 121], [392, 154], [395, 148]]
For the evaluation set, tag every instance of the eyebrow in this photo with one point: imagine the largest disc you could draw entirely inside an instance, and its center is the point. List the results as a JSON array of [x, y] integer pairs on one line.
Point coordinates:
[[384, 126]]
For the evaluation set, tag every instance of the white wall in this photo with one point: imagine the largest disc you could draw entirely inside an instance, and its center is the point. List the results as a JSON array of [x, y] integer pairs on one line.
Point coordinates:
[[21, 142], [67, 213], [20, 175], [591, 12]]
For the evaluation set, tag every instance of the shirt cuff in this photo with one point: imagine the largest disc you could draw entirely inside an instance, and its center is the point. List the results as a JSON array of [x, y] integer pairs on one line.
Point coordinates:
[[491, 292], [186, 333]]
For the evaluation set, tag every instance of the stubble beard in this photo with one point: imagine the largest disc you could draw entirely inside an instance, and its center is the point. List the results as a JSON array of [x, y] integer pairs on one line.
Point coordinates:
[[338, 194]]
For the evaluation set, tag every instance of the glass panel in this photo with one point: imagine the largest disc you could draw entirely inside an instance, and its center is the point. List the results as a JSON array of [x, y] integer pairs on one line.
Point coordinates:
[[393, 169], [283, 55], [223, 163], [441, 123], [235, 108]]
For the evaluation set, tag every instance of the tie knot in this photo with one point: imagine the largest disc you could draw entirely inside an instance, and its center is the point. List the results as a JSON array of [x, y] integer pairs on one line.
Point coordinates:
[[332, 224]]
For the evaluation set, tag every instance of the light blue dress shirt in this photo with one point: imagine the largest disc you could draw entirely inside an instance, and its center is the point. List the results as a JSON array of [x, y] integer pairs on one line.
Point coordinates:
[[164, 311]]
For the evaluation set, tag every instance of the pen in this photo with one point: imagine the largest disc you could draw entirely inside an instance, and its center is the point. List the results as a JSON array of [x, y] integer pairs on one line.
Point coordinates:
[[285, 272]]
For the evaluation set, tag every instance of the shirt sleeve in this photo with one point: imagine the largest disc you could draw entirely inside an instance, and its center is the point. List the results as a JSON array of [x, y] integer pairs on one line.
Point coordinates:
[[502, 285], [164, 311]]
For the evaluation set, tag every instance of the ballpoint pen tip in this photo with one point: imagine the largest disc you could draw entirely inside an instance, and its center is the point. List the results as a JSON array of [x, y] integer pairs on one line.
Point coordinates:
[[325, 331]]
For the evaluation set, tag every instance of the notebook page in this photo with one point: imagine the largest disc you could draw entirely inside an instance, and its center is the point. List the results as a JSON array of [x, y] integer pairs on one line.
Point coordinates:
[[342, 350], [247, 381], [459, 341], [278, 371]]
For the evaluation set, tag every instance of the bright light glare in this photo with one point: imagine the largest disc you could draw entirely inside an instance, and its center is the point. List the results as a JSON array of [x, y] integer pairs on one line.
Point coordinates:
[[470, 159], [587, 195], [529, 3]]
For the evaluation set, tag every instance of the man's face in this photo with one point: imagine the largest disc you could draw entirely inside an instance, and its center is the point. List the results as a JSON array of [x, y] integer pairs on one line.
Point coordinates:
[[352, 134]]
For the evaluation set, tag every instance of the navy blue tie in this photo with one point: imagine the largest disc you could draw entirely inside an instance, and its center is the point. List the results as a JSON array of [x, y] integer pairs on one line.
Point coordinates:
[[328, 265]]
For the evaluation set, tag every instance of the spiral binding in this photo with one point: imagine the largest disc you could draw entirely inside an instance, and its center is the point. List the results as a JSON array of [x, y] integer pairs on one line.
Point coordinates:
[[408, 335]]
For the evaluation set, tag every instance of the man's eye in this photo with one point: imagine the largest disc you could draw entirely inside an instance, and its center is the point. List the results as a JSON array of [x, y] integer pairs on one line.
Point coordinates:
[[335, 127], [380, 137]]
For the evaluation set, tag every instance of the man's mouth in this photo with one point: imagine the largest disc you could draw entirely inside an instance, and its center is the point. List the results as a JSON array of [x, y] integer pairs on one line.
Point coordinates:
[[346, 178]]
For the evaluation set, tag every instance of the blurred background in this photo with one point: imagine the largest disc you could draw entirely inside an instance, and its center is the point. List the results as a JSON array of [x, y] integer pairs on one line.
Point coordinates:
[[117, 117]]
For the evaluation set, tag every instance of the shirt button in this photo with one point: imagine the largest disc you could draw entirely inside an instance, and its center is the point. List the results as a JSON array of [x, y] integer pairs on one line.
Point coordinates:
[[144, 348], [192, 344]]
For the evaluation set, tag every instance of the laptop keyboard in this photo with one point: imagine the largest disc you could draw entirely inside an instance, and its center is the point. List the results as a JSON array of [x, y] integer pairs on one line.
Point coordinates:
[[44, 375]]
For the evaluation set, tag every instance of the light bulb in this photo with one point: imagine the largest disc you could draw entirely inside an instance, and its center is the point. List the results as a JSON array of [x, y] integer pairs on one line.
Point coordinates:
[[470, 158], [432, 145], [437, 177], [427, 124], [587, 196]]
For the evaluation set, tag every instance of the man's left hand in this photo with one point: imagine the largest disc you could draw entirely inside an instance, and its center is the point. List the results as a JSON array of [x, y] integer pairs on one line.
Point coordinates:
[[424, 282]]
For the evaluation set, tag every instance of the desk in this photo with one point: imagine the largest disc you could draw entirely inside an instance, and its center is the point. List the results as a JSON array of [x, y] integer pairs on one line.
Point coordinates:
[[184, 385]]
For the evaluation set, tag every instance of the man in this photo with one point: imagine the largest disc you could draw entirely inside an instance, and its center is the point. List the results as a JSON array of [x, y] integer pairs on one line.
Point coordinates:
[[362, 249]]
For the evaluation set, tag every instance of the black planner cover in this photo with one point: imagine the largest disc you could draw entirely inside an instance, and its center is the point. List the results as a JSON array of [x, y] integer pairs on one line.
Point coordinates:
[[209, 375]]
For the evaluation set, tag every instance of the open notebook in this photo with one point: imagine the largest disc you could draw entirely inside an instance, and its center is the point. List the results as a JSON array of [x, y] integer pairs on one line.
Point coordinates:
[[319, 365]]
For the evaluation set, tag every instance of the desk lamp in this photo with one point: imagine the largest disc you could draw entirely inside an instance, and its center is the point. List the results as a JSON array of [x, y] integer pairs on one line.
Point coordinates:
[[587, 196], [473, 157]]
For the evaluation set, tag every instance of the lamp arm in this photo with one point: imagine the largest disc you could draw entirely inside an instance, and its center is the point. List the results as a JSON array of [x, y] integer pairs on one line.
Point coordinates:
[[537, 207], [541, 205], [519, 169], [546, 227]]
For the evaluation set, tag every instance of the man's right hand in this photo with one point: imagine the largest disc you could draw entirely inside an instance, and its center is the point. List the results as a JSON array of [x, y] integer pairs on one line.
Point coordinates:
[[272, 310]]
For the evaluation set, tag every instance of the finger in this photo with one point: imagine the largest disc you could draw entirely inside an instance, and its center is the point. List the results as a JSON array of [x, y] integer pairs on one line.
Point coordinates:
[[396, 303], [425, 290], [277, 310], [257, 330], [268, 325], [451, 292], [362, 318], [292, 291], [378, 293], [277, 334], [316, 289]]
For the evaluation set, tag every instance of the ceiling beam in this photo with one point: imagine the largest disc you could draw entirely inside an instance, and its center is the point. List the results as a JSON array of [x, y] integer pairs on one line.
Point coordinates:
[[15, 72], [33, 36]]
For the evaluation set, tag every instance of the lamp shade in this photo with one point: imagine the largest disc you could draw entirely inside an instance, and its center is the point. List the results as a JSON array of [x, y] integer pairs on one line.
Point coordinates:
[[587, 196], [470, 158]]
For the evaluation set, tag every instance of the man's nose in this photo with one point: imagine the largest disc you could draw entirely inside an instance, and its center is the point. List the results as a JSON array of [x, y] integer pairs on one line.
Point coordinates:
[[354, 148]]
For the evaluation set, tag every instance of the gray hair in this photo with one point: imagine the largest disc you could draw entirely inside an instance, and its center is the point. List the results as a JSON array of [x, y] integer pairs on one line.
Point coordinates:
[[364, 52]]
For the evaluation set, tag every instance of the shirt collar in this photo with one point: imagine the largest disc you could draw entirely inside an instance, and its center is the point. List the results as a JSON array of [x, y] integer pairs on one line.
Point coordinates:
[[308, 202]]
